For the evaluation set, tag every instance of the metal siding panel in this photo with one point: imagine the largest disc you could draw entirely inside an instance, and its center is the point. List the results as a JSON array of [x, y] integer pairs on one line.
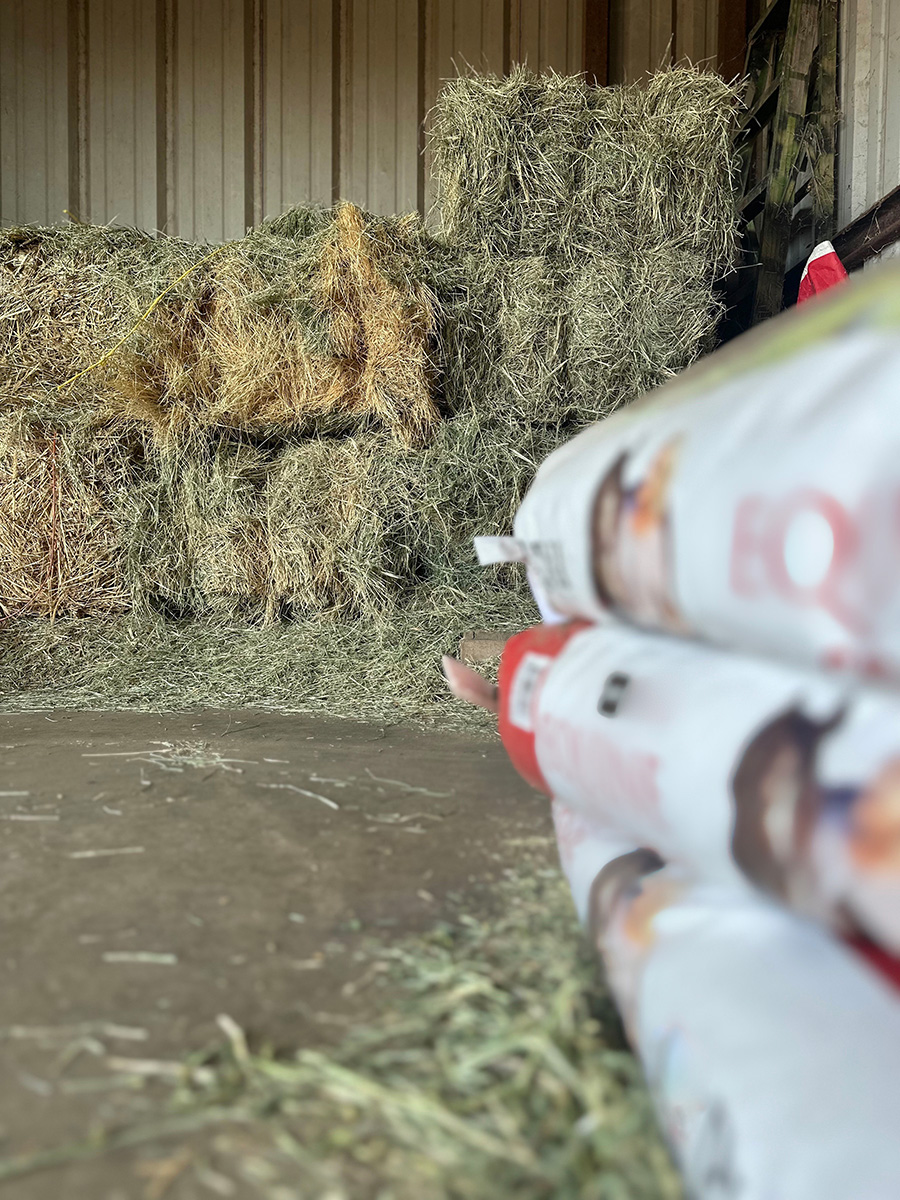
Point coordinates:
[[554, 35], [407, 107], [690, 40], [660, 34], [711, 50], [380, 148], [869, 132], [121, 113], [528, 34], [575, 42], [636, 18], [34, 105], [296, 98], [209, 166]]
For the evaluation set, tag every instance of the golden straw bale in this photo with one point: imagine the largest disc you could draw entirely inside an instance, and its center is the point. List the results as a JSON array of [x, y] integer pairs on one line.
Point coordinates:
[[370, 284]]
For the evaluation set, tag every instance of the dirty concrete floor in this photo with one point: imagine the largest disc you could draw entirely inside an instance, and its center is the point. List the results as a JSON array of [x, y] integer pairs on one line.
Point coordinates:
[[160, 870]]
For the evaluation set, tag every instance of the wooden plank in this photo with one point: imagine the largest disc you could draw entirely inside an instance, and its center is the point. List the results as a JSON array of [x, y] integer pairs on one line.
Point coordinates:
[[890, 159], [823, 187], [797, 56], [871, 232]]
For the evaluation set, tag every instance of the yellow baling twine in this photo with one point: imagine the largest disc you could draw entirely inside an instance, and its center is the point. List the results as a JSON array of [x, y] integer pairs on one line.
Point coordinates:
[[109, 353]]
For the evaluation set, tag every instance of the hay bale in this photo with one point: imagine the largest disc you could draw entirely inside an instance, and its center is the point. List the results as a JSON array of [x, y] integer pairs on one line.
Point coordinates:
[[194, 525], [373, 285], [269, 341], [327, 330], [505, 154], [68, 294], [340, 527], [543, 165], [60, 550], [636, 322]]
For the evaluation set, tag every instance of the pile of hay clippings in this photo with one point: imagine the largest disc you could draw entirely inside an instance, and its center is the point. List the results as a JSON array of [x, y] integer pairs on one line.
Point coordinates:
[[492, 1064], [271, 486]]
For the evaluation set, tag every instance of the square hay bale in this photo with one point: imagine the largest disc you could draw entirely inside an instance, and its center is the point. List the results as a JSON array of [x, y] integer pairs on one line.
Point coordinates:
[[372, 284], [68, 294], [505, 153], [636, 322], [341, 527], [543, 165], [60, 549], [194, 526]]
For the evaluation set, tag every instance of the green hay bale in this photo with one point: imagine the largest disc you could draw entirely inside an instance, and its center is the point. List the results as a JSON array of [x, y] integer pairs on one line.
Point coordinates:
[[636, 322], [542, 165], [505, 154], [194, 528], [339, 527]]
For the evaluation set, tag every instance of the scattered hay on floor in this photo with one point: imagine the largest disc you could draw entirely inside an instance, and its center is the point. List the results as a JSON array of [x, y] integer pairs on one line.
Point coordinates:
[[491, 1064], [60, 553]]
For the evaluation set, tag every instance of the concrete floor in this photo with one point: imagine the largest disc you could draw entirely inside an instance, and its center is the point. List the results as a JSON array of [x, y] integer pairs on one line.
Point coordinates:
[[160, 870]]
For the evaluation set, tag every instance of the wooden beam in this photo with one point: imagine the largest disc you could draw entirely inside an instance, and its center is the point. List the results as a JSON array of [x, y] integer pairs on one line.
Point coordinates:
[[862, 239], [796, 61], [824, 189], [596, 42]]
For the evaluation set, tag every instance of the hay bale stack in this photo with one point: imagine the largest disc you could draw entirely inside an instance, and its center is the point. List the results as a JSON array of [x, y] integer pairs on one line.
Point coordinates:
[[60, 550], [630, 208], [328, 410]]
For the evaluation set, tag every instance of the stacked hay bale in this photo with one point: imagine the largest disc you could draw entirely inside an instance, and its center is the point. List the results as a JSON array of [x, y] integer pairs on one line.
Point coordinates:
[[276, 475], [599, 218]]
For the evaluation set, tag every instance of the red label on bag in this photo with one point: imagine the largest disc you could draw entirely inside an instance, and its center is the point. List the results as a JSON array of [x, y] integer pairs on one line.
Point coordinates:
[[527, 658]]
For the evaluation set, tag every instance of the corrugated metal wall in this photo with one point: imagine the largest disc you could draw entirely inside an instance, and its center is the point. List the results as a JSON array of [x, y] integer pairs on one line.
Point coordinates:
[[202, 116], [869, 133], [648, 34]]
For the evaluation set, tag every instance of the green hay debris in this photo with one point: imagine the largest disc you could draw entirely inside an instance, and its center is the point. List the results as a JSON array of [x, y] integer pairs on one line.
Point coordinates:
[[491, 1065]]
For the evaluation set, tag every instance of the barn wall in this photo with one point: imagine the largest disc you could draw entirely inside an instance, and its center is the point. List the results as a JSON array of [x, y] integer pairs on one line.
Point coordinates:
[[648, 34], [869, 133], [202, 116]]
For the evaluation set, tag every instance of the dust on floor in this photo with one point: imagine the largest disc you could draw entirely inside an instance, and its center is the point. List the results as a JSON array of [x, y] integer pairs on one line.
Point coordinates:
[[161, 870]]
